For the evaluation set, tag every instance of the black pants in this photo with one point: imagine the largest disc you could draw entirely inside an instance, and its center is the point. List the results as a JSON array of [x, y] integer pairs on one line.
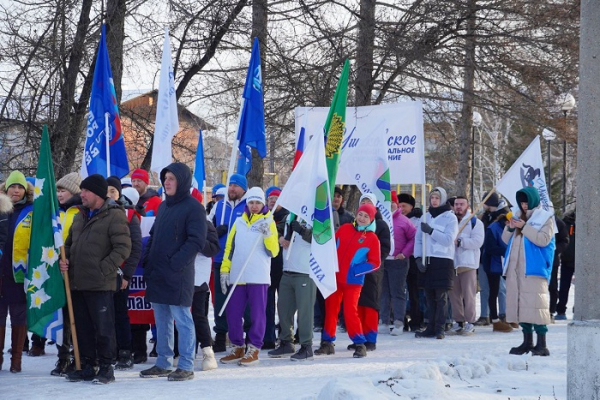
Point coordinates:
[[437, 300], [122, 326], [95, 322], [553, 285], [412, 283], [200, 316], [567, 269], [64, 350], [138, 338], [494, 285]]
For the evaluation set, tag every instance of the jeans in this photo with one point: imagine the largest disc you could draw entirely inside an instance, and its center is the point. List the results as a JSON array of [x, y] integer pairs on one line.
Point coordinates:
[[164, 314], [393, 291], [502, 297], [484, 293]]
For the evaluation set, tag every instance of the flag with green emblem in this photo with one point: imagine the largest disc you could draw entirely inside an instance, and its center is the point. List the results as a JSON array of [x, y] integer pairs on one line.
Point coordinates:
[[44, 285]]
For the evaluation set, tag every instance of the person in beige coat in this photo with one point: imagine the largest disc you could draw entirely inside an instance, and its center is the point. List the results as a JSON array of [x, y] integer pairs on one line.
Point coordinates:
[[527, 267]]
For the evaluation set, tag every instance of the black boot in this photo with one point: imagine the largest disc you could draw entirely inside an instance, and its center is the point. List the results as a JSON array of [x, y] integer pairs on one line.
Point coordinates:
[[540, 348], [326, 349], [526, 346], [125, 360], [220, 343]]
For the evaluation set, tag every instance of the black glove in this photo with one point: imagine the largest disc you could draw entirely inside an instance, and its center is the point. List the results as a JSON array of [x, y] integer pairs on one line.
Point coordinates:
[[222, 230], [296, 227], [420, 266], [426, 228]]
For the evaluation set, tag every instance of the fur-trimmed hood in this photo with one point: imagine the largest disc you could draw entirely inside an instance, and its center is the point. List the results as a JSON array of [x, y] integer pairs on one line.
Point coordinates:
[[6, 205], [28, 194]]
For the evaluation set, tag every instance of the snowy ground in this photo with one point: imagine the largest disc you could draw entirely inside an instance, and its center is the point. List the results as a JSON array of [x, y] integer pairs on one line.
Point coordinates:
[[402, 367]]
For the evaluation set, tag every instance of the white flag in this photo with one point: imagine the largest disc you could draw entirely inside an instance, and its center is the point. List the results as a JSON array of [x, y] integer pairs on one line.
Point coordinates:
[[372, 174], [167, 123], [528, 170], [307, 195]]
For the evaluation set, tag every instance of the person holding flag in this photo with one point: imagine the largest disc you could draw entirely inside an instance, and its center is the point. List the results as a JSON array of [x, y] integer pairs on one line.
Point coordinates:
[[15, 235]]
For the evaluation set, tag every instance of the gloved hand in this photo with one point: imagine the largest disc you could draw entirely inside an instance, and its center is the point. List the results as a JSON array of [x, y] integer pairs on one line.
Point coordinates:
[[264, 229], [420, 266], [224, 282], [426, 228], [222, 230], [296, 227]]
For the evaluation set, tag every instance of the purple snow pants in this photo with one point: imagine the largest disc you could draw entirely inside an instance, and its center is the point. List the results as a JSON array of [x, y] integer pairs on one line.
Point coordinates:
[[254, 295]]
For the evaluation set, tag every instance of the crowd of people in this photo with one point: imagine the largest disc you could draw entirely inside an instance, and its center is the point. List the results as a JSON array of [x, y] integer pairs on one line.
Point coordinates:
[[251, 259]]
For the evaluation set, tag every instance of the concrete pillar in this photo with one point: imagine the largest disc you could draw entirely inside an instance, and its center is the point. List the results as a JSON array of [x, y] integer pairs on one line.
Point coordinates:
[[583, 355]]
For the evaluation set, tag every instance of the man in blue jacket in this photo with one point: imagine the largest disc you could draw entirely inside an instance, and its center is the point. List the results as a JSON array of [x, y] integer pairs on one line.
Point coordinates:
[[178, 234], [226, 211]]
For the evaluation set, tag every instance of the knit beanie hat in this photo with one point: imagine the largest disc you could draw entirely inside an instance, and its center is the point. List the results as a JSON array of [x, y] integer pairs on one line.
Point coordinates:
[[492, 201], [275, 192], [255, 194], [221, 192], [70, 182], [142, 175], [126, 182], [240, 180], [271, 189], [116, 183], [132, 195], [406, 198], [96, 184], [16, 178], [369, 209], [394, 197], [338, 190], [216, 188], [369, 196]]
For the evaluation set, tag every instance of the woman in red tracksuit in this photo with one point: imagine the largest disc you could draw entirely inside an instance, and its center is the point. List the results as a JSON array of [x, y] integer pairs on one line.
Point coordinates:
[[358, 254]]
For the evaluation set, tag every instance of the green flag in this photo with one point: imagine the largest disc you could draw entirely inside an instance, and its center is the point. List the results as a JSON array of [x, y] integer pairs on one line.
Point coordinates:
[[334, 126], [44, 284]]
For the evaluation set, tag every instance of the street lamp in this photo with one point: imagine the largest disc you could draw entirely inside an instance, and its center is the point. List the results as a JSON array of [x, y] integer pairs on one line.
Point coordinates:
[[549, 135], [567, 103], [477, 120]]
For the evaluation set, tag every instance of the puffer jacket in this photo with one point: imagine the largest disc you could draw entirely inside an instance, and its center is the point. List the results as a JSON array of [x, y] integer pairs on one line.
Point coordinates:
[[471, 239], [96, 247], [177, 236], [358, 253], [440, 243]]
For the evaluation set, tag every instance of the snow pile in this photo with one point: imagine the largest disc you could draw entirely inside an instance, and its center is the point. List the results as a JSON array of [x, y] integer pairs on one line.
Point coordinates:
[[351, 389]]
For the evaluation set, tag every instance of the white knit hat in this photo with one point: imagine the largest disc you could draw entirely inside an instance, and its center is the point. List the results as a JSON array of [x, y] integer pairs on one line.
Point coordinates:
[[369, 196], [255, 194]]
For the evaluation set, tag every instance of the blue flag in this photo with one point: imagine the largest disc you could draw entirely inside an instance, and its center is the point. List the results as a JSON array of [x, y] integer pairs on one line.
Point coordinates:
[[251, 132], [103, 103], [199, 171]]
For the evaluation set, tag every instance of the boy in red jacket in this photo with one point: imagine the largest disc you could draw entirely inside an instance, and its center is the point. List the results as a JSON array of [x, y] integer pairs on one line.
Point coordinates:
[[358, 254]]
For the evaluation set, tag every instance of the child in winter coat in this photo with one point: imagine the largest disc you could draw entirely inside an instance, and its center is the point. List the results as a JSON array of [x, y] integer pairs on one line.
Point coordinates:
[[527, 267], [256, 225], [358, 254]]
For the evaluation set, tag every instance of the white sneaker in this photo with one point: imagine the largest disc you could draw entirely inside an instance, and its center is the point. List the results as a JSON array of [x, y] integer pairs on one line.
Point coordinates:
[[455, 330], [398, 328], [208, 359], [468, 329], [383, 329]]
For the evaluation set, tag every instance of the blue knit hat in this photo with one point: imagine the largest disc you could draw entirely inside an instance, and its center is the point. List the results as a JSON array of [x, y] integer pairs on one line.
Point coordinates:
[[240, 180], [270, 189]]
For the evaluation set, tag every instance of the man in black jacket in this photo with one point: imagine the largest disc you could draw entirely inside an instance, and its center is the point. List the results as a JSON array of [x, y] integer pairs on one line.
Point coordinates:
[[177, 236], [567, 268], [562, 241]]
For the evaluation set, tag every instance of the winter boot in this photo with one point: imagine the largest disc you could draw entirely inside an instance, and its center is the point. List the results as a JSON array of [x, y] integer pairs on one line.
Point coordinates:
[[18, 337], [86, 373], [526, 346], [501, 326], [153, 352], [285, 349], [37, 346], [236, 354], [398, 328], [181, 375], [371, 346], [425, 334], [2, 336], [220, 345], [105, 375], [326, 349], [540, 348], [361, 351], [305, 353], [482, 321], [125, 360], [208, 359], [155, 372], [61, 367], [140, 357], [251, 356]]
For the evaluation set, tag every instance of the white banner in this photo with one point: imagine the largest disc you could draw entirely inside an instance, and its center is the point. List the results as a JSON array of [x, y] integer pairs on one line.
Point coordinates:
[[402, 124], [528, 170]]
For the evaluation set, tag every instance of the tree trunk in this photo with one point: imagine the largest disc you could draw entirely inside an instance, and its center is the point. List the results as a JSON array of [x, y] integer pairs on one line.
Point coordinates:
[[465, 158], [115, 35], [259, 30]]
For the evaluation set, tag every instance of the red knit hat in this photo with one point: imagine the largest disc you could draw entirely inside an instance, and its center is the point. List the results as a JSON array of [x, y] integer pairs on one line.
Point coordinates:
[[394, 197], [142, 175], [369, 209], [275, 193]]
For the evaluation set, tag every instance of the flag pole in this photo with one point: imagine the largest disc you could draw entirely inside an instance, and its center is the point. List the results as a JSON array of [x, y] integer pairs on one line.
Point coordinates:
[[234, 150], [107, 134], [424, 205], [65, 275], [237, 280]]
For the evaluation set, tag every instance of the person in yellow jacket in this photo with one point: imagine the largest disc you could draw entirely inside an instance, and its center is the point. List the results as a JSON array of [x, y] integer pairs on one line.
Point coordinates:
[[69, 200], [252, 241], [15, 235]]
